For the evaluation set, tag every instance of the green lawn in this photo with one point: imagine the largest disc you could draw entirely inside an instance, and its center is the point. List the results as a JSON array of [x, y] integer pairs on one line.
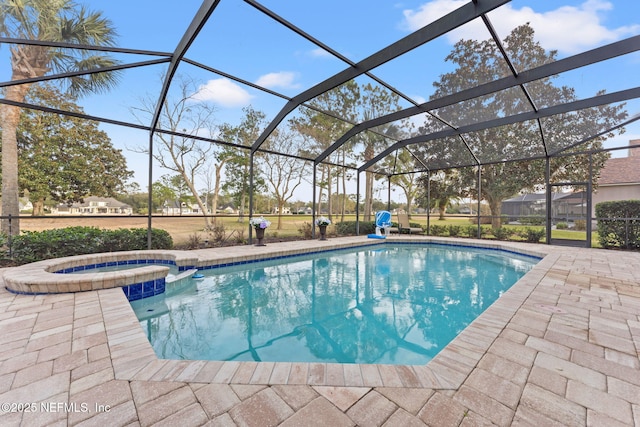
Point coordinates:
[[555, 234]]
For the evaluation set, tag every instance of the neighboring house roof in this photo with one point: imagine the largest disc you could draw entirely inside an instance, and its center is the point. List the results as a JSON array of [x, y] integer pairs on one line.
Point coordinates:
[[109, 201], [25, 204], [526, 198], [623, 170], [177, 204], [533, 197]]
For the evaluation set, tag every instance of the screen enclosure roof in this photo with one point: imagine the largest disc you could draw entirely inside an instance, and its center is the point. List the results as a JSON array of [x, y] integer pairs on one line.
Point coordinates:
[[418, 108]]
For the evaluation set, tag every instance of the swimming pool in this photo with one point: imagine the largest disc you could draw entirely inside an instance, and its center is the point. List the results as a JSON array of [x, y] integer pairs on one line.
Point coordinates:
[[390, 304]]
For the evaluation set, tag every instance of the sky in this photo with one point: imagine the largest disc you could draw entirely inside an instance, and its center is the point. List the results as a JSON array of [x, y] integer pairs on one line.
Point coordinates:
[[242, 41]]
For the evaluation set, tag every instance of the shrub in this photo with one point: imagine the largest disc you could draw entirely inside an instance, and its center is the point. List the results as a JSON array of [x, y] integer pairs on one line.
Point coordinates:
[[532, 220], [472, 231], [34, 246], [580, 225], [219, 232], [306, 230], [239, 236], [437, 230], [502, 233], [3, 245], [194, 241], [562, 226], [133, 239], [160, 239], [454, 230], [348, 228], [620, 233], [217, 235], [38, 245], [417, 224], [533, 235], [517, 233]]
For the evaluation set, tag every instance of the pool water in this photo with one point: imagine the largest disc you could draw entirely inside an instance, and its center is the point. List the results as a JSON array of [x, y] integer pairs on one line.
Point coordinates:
[[395, 304]]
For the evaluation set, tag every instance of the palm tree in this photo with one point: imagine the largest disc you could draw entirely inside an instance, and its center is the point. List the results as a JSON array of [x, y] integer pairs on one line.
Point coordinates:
[[49, 21]]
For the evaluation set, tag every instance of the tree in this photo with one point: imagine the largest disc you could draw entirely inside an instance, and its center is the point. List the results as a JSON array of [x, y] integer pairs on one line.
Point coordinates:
[[322, 130], [133, 195], [374, 102], [444, 186], [178, 188], [57, 21], [403, 164], [238, 161], [283, 174], [354, 103], [213, 180], [346, 203], [161, 194], [178, 151], [65, 158], [479, 62]]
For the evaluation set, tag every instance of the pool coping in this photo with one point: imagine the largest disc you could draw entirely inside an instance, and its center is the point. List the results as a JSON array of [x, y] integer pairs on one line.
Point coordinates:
[[443, 372]]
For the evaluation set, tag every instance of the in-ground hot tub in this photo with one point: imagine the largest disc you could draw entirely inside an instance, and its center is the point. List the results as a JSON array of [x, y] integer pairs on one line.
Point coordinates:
[[144, 276]]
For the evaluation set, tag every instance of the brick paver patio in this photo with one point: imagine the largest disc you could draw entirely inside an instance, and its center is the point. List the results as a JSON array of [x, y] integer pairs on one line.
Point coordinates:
[[561, 347]]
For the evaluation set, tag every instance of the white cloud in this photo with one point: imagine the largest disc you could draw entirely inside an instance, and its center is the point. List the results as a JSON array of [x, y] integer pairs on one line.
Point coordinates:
[[224, 92], [282, 79], [429, 12], [419, 99], [320, 53], [569, 29]]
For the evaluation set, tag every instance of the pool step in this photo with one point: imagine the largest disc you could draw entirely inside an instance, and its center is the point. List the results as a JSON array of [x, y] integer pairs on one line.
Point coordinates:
[[175, 277]]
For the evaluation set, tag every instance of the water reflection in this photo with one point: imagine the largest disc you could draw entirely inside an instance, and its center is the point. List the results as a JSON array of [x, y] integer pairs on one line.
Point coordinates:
[[399, 305]]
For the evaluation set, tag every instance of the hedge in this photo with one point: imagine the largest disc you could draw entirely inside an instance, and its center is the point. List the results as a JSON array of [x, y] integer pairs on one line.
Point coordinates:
[[348, 228], [614, 230], [34, 246]]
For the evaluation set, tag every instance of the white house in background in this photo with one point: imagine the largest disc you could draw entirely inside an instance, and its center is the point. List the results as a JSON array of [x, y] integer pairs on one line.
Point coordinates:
[[285, 211], [619, 178], [25, 204], [93, 205], [175, 207]]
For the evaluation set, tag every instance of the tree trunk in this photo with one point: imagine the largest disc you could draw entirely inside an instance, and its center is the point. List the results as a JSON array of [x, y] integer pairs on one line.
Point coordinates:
[[496, 208], [241, 209], [329, 193], [368, 196], [344, 186], [318, 207], [338, 208], [280, 204], [442, 207], [38, 207], [9, 120], [216, 190], [201, 204], [243, 195], [368, 192]]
